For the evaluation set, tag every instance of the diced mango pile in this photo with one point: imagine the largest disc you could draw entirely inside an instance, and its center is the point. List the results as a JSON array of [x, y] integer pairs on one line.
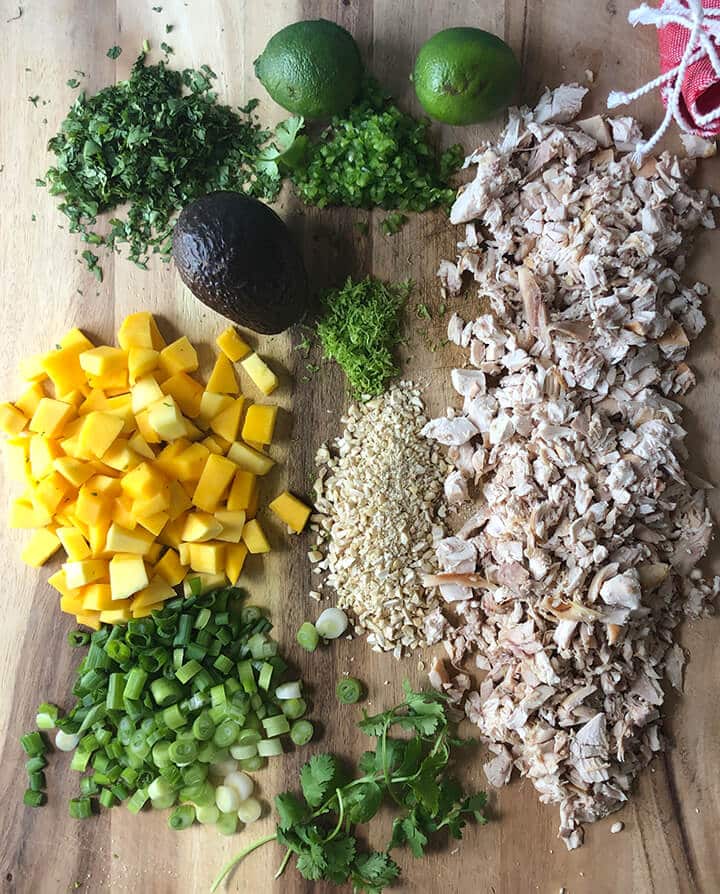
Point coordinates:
[[145, 478]]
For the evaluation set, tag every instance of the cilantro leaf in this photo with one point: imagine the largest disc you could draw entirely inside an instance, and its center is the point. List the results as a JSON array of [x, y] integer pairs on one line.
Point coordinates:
[[317, 778], [114, 52], [414, 836], [312, 864], [339, 854], [290, 809], [363, 802], [376, 724], [374, 871]]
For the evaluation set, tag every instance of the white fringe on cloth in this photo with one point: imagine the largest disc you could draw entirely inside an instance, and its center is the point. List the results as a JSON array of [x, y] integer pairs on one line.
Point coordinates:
[[703, 25]]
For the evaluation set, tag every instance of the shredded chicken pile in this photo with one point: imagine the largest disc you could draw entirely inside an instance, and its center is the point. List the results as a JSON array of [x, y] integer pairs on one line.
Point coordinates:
[[577, 528]]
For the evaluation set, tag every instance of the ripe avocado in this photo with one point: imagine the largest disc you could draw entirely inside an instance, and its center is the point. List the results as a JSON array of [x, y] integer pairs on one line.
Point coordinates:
[[238, 257]]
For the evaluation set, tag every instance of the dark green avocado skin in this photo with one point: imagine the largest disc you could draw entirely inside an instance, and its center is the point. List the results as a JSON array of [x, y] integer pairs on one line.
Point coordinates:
[[238, 257]]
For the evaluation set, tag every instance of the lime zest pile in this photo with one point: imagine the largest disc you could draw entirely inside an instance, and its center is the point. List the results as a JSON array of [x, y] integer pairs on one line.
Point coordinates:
[[375, 156], [412, 773], [171, 709], [360, 330], [156, 141]]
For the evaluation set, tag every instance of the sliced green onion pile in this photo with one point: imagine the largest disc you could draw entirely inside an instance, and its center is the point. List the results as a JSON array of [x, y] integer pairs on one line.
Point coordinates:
[[172, 711]]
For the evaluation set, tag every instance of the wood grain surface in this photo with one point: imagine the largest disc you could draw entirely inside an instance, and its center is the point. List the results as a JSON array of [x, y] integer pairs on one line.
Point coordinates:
[[669, 842]]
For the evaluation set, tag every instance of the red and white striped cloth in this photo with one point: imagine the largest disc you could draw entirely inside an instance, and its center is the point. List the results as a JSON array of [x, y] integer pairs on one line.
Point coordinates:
[[689, 83]]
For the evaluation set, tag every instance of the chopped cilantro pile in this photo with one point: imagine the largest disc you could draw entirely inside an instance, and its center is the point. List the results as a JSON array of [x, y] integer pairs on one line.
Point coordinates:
[[412, 774], [376, 157], [360, 329], [156, 142]]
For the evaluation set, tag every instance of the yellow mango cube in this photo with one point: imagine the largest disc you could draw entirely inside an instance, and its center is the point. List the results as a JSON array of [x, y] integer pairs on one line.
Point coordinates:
[[180, 356], [145, 392], [158, 502], [127, 575], [42, 545], [166, 419], [122, 513], [120, 456], [119, 615], [157, 591], [64, 370], [98, 432], [227, 423], [154, 523], [208, 558], [139, 330], [232, 523], [96, 400], [86, 571], [249, 459], [211, 405], [223, 379], [190, 463], [254, 538], [43, 453], [141, 361], [97, 535], [73, 470], [214, 481], [93, 620], [141, 446], [241, 490], [260, 373], [59, 583], [184, 553], [50, 492], [103, 360], [171, 534], [17, 464], [50, 417], [259, 425], [290, 510], [74, 544], [71, 603], [122, 540], [180, 501], [200, 526], [75, 339], [30, 398], [24, 514], [186, 391], [168, 455], [235, 556], [150, 436], [97, 598], [232, 345], [170, 568], [92, 506], [143, 481]]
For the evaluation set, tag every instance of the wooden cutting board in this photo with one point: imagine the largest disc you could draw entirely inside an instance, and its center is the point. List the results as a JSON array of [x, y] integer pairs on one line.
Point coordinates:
[[669, 843]]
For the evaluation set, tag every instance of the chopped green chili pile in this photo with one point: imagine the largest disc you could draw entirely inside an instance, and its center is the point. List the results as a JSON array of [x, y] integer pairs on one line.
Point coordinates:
[[412, 774], [168, 705], [360, 329], [156, 141], [375, 157]]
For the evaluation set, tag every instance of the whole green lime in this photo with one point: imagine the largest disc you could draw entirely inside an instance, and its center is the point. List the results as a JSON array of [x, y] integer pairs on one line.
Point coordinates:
[[465, 75], [311, 68]]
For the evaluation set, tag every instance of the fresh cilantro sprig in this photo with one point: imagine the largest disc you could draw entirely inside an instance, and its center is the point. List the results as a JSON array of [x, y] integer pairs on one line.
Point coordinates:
[[318, 826]]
